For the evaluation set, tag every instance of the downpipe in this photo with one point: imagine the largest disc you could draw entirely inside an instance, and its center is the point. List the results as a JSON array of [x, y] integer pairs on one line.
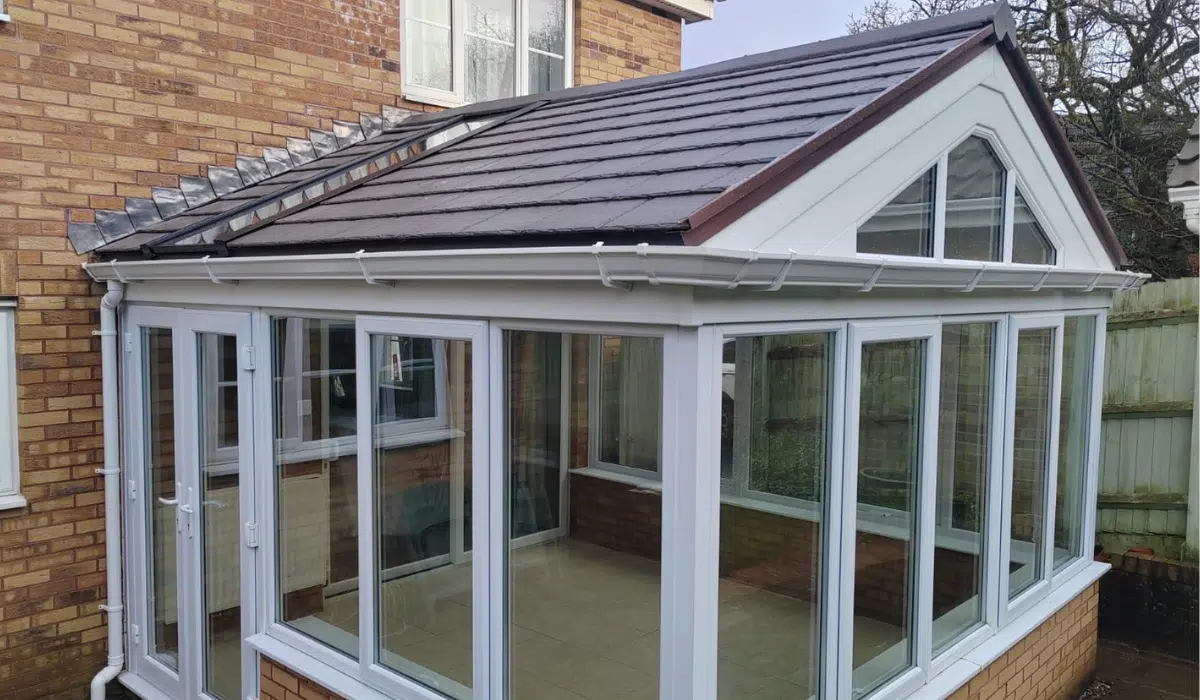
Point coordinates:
[[109, 353]]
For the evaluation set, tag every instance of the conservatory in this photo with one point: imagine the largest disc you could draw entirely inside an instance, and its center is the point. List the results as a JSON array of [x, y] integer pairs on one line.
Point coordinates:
[[774, 378]]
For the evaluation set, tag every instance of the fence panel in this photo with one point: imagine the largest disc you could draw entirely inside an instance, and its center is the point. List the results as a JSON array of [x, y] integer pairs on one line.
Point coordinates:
[[1147, 429]]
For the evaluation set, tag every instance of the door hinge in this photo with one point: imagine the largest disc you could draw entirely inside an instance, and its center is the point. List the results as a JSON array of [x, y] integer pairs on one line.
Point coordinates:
[[136, 633], [248, 357], [252, 535], [128, 342], [132, 490]]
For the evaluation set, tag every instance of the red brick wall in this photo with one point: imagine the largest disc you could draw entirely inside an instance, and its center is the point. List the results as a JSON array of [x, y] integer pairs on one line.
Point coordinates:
[[616, 40]]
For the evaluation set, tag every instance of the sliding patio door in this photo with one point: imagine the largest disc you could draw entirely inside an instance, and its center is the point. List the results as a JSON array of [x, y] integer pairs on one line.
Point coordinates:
[[190, 506]]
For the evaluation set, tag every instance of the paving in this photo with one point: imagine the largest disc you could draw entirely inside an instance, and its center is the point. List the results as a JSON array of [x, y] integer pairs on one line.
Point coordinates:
[[1127, 673]]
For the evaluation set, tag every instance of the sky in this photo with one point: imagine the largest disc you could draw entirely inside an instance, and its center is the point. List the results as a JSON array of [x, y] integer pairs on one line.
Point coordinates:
[[741, 27]]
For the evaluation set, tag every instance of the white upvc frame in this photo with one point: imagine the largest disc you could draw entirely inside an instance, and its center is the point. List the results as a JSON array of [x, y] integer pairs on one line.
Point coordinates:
[[10, 461], [921, 599], [186, 327], [457, 95], [137, 510], [1043, 572], [1012, 183], [423, 683], [1091, 460], [595, 365]]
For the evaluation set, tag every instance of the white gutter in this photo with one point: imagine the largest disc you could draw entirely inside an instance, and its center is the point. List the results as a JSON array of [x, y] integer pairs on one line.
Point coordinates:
[[112, 488], [622, 266]]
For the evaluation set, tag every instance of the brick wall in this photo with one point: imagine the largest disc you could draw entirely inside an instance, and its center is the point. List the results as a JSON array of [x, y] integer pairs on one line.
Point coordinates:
[[1054, 662], [278, 682], [616, 40], [102, 100]]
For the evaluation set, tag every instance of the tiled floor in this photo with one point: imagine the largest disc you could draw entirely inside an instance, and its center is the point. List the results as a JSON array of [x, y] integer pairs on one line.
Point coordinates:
[[585, 626]]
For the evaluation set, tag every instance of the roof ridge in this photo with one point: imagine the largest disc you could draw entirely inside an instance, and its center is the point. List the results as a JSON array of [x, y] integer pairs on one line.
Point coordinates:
[[194, 191]]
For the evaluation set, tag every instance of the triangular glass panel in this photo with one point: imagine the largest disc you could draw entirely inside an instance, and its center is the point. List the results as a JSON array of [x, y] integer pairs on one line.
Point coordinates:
[[1030, 244], [904, 226]]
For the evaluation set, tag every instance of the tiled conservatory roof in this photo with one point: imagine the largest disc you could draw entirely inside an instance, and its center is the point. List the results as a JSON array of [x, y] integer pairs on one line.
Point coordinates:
[[662, 160]]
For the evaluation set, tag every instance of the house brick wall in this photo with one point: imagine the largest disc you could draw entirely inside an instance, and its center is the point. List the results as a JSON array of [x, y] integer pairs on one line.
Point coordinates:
[[616, 40], [101, 100]]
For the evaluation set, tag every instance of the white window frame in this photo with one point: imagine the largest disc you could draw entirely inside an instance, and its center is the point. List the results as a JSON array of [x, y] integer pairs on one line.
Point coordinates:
[[10, 459], [595, 341], [1013, 607], [1012, 182], [457, 96], [4, 17]]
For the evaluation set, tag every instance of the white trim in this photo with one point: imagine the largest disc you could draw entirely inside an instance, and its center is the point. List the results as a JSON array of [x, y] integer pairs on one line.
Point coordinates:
[[10, 460], [687, 266]]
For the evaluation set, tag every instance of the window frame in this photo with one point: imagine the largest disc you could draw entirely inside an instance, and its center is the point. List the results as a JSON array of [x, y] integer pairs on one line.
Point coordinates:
[[1012, 182], [1013, 607], [10, 461], [595, 343], [457, 96]]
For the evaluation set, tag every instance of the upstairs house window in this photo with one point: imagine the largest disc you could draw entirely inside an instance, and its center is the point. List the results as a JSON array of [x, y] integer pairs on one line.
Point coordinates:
[[460, 51]]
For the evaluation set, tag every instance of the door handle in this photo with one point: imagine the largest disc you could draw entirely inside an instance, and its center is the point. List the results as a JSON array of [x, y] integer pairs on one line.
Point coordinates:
[[168, 501]]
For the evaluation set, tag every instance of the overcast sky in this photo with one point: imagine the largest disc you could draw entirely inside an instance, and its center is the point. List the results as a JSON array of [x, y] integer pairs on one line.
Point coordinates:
[[741, 27]]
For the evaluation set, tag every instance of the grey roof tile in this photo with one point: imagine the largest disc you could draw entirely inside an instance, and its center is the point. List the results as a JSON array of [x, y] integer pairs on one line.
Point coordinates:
[[605, 160], [224, 180], [84, 237], [1185, 167], [142, 212], [196, 190], [170, 201], [114, 224]]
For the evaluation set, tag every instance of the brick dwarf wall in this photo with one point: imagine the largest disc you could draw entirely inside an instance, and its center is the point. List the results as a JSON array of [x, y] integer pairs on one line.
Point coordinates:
[[101, 100], [1054, 662]]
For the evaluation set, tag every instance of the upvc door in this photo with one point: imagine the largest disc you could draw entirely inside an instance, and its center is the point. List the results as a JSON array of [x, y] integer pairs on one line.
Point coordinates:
[[154, 479], [190, 437]]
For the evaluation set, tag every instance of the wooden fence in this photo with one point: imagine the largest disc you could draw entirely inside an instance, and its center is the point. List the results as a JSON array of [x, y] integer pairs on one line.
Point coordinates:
[[1149, 431]]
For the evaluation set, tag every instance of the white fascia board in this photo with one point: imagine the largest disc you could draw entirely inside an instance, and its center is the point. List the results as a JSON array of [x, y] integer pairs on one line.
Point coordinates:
[[620, 266], [687, 10]]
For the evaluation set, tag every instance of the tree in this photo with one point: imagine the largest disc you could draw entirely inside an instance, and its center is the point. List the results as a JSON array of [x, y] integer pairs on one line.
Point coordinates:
[[1122, 76]]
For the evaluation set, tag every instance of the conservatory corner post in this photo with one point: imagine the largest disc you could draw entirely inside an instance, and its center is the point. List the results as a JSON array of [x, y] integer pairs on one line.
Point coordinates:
[[691, 425]]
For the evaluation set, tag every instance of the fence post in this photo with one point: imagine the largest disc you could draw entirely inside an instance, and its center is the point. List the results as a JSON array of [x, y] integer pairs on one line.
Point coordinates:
[[1191, 545]]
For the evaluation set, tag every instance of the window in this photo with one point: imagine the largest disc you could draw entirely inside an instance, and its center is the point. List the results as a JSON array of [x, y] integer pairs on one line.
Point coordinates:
[[770, 560], [905, 225], [974, 202], [10, 479], [1075, 410], [1032, 419], [1030, 244], [965, 426], [474, 50], [956, 211], [316, 459], [628, 414]]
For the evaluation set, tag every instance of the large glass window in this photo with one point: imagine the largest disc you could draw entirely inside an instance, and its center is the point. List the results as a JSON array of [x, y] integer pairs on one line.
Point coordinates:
[[316, 478], [905, 225], [1030, 459], [583, 588], [770, 558], [964, 461], [888, 472], [422, 495], [974, 202], [1079, 347], [158, 419], [478, 61]]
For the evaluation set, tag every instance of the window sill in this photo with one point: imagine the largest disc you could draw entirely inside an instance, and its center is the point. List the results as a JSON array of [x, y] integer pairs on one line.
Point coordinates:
[[141, 687], [959, 673], [422, 98], [329, 677], [12, 501], [310, 454]]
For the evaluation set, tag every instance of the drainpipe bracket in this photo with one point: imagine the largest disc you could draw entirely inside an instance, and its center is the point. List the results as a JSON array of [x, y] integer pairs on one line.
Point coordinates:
[[106, 472], [111, 608], [643, 251]]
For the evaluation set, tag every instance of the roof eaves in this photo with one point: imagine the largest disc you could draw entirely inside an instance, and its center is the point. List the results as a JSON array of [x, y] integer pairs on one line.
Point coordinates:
[[741, 198]]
